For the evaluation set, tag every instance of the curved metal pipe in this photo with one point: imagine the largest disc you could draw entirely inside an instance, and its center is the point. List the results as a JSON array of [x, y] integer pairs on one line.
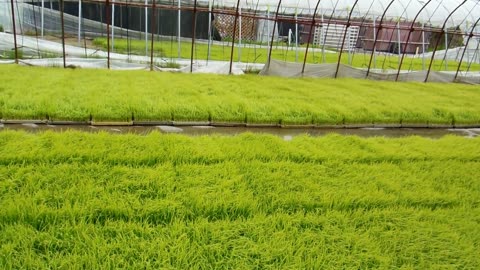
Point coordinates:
[[455, 33], [310, 36], [466, 46], [344, 37], [233, 38], [273, 34], [408, 38], [194, 30], [364, 19], [376, 36], [440, 37]]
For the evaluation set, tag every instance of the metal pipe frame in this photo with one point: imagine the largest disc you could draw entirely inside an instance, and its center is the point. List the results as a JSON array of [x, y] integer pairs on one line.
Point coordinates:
[[107, 11], [63, 33], [280, 18], [233, 38], [408, 38], [152, 29], [312, 26], [14, 32], [194, 30], [440, 37], [269, 59], [470, 36], [347, 28]]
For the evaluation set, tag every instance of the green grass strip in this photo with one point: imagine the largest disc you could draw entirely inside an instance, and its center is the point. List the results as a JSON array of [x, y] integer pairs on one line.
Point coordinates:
[[59, 94], [100, 201], [251, 54]]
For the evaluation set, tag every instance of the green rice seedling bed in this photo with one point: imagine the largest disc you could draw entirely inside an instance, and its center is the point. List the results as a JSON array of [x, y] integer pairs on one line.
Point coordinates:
[[54, 94], [99, 201], [253, 54]]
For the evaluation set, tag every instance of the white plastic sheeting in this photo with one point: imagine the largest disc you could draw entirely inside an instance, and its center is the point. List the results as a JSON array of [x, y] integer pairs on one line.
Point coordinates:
[[435, 12]]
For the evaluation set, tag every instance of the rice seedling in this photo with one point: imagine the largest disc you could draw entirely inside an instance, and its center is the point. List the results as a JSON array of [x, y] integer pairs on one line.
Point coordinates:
[[80, 94], [77, 200]]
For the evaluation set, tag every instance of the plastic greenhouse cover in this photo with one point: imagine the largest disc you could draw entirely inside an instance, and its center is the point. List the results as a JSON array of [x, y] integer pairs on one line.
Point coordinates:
[[434, 12]]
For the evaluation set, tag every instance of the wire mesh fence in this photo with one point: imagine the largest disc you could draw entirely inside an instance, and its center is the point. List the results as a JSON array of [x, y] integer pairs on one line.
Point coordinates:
[[240, 36]]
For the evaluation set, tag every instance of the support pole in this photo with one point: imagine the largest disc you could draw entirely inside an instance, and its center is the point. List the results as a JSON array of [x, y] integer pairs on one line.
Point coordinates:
[[296, 36], [152, 29], [273, 34], [14, 32], [347, 30], [374, 37], [194, 30], [233, 38], [113, 25], [423, 45], [240, 34], [42, 18], [179, 28], [79, 22], [268, 29], [312, 26], [107, 11], [146, 27], [63, 34], [209, 30], [399, 43], [446, 48]]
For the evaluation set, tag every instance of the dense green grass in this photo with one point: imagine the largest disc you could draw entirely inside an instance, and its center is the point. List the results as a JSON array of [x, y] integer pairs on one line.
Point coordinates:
[[254, 54], [38, 93], [98, 201]]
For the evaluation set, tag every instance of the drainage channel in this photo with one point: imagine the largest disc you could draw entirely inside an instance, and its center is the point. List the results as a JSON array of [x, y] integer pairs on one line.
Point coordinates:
[[286, 133]]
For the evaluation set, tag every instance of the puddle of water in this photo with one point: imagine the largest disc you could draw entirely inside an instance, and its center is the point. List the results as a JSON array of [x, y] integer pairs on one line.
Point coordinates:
[[286, 133], [170, 129]]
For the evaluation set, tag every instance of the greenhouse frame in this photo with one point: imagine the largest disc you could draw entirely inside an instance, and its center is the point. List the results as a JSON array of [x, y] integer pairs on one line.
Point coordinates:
[[400, 40]]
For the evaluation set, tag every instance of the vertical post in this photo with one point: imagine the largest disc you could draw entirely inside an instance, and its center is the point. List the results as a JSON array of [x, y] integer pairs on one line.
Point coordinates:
[[349, 40], [42, 17], [233, 38], [14, 32], [423, 45], [194, 30], [79, 21], [179, 28], [268, 28], [113, 25], [374, 38], [146, 27], [63, 34], [399, 43], [323, 39], [209, 30], [240, 34], [273, 34], [152, 29], [296, 35], [446, 48], [107, 11]]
